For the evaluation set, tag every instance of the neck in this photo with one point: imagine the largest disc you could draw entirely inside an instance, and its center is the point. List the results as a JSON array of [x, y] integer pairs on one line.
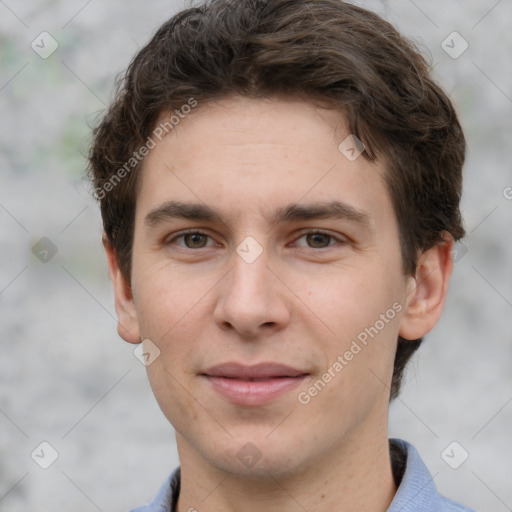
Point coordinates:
[[355, 476]]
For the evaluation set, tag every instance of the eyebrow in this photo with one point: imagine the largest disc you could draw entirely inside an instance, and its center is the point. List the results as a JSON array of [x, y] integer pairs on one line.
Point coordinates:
[[289, 213]]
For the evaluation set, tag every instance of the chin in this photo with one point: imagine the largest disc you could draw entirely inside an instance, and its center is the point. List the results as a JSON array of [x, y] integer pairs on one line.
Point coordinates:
[[258, 458]]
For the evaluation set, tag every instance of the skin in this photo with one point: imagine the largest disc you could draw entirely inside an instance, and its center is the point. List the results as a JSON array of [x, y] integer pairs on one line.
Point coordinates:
[[301, 303]]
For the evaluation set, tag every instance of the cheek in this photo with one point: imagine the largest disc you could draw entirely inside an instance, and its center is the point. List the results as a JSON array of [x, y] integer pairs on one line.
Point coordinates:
[[167, 309], [349, 300], [166, 300], [176, 400], [362, 308]]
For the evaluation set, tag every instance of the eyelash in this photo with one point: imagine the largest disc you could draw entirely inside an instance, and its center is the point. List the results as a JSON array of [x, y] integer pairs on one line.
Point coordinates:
[[312, 232]]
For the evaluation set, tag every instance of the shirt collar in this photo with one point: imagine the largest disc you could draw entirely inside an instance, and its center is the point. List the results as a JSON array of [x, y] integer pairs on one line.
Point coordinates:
[[417, 491]]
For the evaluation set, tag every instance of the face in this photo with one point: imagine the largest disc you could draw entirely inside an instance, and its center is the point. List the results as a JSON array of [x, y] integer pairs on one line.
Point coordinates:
[[267, 272]]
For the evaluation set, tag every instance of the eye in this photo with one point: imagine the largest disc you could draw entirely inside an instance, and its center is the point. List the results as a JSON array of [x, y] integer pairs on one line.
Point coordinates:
[[191, 239], [319, 239]]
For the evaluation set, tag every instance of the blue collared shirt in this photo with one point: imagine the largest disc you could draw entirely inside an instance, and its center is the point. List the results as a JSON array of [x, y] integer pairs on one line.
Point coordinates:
[[416, 492]]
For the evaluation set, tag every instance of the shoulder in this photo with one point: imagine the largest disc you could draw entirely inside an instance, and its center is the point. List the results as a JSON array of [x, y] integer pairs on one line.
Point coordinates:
[[166, 497], [452, 506], [416, 491]]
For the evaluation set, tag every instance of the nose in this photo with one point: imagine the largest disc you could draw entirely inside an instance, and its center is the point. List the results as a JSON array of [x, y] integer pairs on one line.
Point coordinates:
[[252, 300]]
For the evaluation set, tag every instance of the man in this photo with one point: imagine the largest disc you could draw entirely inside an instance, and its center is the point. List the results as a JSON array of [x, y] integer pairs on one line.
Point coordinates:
[[279, 183]]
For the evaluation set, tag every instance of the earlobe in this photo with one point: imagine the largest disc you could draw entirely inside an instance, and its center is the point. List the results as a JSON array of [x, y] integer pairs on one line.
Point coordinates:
[[127, 323], [428, 289]]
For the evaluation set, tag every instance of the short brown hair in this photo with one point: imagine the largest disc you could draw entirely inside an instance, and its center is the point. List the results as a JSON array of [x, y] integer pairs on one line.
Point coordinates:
[[328, 52]]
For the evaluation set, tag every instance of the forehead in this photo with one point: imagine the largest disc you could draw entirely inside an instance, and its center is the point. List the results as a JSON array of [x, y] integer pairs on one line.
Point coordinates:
[[240, 120], [252, 155]]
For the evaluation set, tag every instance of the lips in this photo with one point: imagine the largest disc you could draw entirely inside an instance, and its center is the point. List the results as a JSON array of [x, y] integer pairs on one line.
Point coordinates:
[[260, 371], [253, 385]]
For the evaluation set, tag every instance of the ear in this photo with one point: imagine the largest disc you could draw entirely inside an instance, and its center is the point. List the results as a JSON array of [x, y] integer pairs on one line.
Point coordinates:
[[427, 290], [127, 323]]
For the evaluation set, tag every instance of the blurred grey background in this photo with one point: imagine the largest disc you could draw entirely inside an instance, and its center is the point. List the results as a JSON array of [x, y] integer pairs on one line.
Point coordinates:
[[67, 379]]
